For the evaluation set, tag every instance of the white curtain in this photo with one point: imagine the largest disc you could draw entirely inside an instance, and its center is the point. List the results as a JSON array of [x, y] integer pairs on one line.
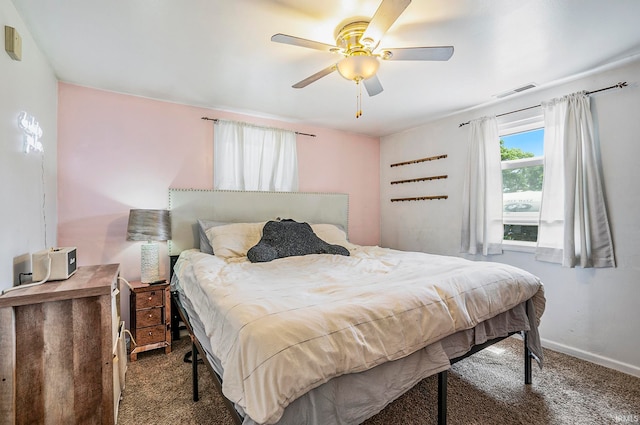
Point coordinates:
[[482, 228], [249, 157], [573, 219]]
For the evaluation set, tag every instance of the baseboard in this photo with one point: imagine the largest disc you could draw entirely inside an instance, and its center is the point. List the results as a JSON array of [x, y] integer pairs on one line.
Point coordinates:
[[593, 358]]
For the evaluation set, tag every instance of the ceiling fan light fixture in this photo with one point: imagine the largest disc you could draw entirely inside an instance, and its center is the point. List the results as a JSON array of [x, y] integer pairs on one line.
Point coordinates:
[[358, 67]]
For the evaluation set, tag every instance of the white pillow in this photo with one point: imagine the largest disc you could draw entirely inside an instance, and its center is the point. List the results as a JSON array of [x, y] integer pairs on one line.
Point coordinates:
[[332, 234], [234, 240], [203, 225]]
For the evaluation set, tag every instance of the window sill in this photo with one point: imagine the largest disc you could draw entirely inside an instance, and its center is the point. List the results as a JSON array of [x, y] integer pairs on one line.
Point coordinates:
[[519, 246]]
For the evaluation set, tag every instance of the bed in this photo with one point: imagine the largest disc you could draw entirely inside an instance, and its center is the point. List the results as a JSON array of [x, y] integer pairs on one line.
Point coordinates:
[[329, 338]]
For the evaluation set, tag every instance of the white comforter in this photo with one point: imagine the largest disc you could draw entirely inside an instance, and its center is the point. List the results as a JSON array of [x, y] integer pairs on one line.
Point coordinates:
[[285, 327]]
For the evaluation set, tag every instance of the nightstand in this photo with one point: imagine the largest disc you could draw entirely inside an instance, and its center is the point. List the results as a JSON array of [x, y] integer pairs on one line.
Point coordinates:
[[150, 317]]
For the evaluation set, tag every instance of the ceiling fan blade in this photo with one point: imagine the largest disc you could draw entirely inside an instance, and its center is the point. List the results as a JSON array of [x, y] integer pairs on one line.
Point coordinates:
[[315, 77], [373, 85], [440, 53], [303, 42], [385, 16]]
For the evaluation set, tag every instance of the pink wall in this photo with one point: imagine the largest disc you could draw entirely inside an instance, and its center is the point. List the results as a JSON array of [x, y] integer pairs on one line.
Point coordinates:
[[117, 152]]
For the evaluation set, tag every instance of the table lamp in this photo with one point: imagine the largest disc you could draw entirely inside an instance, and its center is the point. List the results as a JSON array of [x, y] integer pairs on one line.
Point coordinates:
[[150, 226]]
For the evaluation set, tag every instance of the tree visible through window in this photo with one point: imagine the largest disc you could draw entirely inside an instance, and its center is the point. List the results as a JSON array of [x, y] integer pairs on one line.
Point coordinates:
[[522, 173]]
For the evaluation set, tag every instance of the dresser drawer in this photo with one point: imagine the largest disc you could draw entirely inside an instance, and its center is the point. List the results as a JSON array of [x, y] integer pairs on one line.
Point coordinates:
[[149, 317], [150, 313], [150, 335], [150, 299]]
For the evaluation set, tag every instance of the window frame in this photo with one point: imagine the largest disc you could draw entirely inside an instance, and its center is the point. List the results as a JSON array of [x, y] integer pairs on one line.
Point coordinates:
[[507, 126]]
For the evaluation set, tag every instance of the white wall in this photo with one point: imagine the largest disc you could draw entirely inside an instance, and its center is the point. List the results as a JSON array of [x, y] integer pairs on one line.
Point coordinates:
[[591, 313], [28, 85]]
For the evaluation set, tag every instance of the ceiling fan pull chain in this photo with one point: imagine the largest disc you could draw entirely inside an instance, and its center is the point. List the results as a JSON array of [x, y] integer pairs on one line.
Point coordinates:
[[359, 100]]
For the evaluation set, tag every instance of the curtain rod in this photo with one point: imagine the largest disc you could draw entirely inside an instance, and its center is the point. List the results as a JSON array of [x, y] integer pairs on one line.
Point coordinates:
[[619, 85], [297, 132]]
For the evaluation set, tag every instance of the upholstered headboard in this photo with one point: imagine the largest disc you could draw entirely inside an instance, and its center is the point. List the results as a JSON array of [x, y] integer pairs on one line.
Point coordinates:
[[189, 205]]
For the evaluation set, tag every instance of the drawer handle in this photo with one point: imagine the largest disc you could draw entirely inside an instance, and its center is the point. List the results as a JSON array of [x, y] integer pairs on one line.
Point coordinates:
[[150, 315], [150, 298], [150, 333]]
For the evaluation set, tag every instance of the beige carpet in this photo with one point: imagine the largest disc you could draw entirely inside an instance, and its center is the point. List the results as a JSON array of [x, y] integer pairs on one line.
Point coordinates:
[[484, 389]]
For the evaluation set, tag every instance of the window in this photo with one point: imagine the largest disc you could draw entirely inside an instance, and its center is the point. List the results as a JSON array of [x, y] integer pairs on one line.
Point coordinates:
[[251, 157], [521, 149]]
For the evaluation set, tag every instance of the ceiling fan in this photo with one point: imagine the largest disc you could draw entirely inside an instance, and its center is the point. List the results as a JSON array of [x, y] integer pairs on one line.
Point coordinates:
[[357, 42]]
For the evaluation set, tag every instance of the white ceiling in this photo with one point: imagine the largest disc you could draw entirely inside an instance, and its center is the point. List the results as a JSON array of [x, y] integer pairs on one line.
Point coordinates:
[[218, 54]]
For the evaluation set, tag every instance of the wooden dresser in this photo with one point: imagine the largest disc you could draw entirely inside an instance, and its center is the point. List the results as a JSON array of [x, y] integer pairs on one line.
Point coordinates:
[[57, 350], [150, 317]]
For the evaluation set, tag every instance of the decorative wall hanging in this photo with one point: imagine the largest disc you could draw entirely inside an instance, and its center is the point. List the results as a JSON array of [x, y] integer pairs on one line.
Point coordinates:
[[32, 132], [421, 198], [420, 179], [416, 161]]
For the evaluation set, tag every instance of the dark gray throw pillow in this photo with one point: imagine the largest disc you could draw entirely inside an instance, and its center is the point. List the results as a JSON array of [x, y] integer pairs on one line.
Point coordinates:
[[288, 238]]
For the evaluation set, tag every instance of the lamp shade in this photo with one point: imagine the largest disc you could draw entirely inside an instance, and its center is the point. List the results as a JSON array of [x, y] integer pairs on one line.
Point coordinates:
[[149, 225], [358, 67]]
